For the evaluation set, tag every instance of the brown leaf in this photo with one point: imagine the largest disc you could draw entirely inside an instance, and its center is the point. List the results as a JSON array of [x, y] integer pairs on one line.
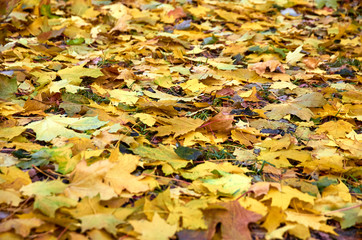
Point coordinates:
[[177, 13], [221, 122], [272, 65], [42, 37], [234, 220], [311, 62]]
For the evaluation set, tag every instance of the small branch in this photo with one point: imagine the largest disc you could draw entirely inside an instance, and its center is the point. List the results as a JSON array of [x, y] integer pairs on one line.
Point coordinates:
[[342, 209], [7, 150], [46, 174], [243, 195], [55, 173], [18, 209], [63, 232]]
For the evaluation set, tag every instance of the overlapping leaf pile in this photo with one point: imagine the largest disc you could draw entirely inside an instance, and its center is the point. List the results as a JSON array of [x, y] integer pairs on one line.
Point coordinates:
[[182, 119]]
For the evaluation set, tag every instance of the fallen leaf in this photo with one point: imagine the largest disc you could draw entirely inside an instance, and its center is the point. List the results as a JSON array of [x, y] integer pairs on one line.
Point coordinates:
[[282, 198], [99, 221], [44, 188], [279, 111], [21, 226], [234, 220], [294, 57], [271, 65], [49, 204], [157, 229], [335, 129], [10, 197], [176, 125]]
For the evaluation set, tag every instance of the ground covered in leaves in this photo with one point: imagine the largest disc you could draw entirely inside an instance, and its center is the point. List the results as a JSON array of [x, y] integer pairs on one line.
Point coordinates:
[[182, 119]]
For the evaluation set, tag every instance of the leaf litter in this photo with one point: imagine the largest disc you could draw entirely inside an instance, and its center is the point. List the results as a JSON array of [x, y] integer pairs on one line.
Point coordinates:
[[180, 119]]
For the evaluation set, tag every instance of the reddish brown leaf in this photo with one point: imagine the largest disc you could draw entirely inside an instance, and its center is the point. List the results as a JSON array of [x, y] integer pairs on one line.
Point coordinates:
[[234, 220]]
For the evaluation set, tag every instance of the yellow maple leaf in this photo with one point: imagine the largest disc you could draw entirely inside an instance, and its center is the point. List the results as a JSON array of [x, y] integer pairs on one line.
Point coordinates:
[[14, 177], [157, 229], [10, 197], [194, 86], [123, 96], [335, 129], [272, 65], [147, 119], [294, 57], [280, 110], [281, 158], [88, 181], [119, 177], [277, 144], [21, 226], [176, 125], [278, 233], [282, 198], [74, 74], [340, 190], [275, 217], [193, 138]]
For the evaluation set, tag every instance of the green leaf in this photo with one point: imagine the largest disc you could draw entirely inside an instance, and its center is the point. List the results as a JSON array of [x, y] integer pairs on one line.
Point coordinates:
[[87, 123], [280, 51], [61, 155], [42, 157], [258, 49], [210, 40], [8, 87], [76, 41], [49, 204], [324, 182], [228, 184], [35, 162], [21, 153], [222, 66], [351, 217], [46, 10], [328, 3], [54, 126], [188, 153], [44, 188], [48, 129]]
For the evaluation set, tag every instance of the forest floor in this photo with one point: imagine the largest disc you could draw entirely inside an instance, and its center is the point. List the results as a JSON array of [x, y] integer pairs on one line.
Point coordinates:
[[180, 119]]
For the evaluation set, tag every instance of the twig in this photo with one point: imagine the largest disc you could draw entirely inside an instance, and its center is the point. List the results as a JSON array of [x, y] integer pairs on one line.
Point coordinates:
[[20, 207], [55, 173], [63, 232], [342, 209], [7, 150], [46, 174], [242, 195]]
